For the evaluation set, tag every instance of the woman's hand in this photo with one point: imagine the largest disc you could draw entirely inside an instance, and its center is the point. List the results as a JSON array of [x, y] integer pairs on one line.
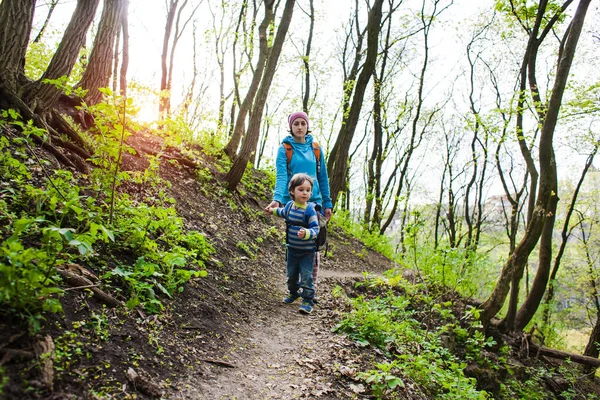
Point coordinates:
[[270, 207], [328, 213]]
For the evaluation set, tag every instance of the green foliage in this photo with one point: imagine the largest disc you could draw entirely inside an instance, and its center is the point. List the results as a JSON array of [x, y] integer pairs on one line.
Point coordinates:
[[3, 379], [178, 133], [248, 249], [166, 255], [113, 125], [381, 380], [391, 324], [526, 12], [454, 267], [372, 240], [27, 279], [38, 58], [426, 345], [68, 348], [65, 220]]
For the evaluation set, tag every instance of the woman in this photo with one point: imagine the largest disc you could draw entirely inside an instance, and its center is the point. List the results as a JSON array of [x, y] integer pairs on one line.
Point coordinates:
[[303, 160]]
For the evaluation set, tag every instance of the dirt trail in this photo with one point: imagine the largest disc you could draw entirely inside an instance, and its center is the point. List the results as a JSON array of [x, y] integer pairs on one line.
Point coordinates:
[[283, 356]]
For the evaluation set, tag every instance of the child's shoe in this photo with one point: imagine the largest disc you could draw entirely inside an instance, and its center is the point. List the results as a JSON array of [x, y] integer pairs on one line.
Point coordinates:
[[306, 307], [290, 298]]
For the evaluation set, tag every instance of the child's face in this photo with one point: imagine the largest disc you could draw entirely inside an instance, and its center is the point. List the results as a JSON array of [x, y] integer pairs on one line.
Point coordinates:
[[301, 194], [299, 128]]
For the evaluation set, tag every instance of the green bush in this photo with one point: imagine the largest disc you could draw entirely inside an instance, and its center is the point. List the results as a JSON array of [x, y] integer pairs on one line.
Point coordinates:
[[391, 324]]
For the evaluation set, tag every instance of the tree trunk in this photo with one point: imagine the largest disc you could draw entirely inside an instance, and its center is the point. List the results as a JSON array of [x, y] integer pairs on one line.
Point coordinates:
[[548, 160], [545, 208], [238, 168], [97, 74], [338, 162], [306, 59], [125, 49], [374, 163], [591, 349], [43, 96], [566, 233], [63, 61], [38, 38], [163, 102], [240, 121], [16, 20], [417, 131]]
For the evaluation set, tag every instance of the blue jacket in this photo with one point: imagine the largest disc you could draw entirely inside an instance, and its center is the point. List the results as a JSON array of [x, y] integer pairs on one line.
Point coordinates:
[[303, 160]]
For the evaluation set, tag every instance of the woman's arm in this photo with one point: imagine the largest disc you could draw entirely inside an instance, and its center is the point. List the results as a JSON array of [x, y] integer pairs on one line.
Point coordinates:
[[324, 185], [281, 180]]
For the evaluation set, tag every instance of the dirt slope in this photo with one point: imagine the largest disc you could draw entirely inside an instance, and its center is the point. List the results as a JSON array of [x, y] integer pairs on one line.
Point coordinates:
[[227, 336]]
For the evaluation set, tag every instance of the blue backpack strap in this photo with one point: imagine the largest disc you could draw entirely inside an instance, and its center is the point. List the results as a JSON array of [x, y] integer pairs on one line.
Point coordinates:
[[311, 206]]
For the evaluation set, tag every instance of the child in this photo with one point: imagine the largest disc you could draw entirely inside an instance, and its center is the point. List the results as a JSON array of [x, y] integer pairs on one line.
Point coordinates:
[[302, 227]]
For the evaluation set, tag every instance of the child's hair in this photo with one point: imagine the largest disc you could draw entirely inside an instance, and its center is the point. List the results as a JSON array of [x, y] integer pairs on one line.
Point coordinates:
[[297, 180]]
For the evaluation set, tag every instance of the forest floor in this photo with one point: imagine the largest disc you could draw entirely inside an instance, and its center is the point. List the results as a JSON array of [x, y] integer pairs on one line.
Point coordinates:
[[227, 335]]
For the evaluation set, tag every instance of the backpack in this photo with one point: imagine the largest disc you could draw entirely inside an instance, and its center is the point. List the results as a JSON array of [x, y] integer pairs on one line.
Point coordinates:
[[289, 151], [321, 239]]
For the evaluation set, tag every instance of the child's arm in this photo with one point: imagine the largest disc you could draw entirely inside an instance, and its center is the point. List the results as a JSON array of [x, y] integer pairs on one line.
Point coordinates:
[[313, 227], [277, 211]]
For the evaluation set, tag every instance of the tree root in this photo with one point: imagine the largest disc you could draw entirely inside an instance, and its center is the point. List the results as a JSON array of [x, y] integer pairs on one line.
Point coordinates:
[[77, 280], [54, 151], [9, 354], [143, 385], [44, 350], [59, 124]]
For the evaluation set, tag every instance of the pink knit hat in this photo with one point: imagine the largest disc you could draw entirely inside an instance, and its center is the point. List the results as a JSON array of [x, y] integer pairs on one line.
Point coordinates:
[[295, 116]]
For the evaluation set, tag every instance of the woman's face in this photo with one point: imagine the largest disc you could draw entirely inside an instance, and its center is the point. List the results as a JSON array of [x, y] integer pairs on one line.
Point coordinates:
[[299, 129]]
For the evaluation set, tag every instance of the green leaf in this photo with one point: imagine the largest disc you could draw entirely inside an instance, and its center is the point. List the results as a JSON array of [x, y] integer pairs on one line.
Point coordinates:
[[83, 247], [118, 271], [108, 233], [21, 224], [163, 289]]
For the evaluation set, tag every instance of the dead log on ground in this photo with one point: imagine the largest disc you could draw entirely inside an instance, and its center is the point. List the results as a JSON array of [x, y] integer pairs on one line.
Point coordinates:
[[78, 280], [143, 384], [563, 355]]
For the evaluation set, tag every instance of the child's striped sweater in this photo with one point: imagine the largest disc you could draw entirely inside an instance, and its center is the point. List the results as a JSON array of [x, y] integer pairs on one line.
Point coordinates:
[[300, 217]]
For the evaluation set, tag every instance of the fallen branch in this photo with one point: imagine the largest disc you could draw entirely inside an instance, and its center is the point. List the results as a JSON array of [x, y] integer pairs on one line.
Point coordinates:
[[563, 355], [142, 384], [12, 339], [78, 280], [181, 160], [9, 354], [80, 287], [219, 363]]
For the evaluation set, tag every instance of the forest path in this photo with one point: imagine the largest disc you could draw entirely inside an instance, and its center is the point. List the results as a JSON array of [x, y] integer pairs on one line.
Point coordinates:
[[284, 356]]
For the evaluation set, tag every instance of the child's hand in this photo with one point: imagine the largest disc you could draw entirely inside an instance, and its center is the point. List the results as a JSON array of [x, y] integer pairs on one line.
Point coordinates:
[[271, 206], [302, 233]]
